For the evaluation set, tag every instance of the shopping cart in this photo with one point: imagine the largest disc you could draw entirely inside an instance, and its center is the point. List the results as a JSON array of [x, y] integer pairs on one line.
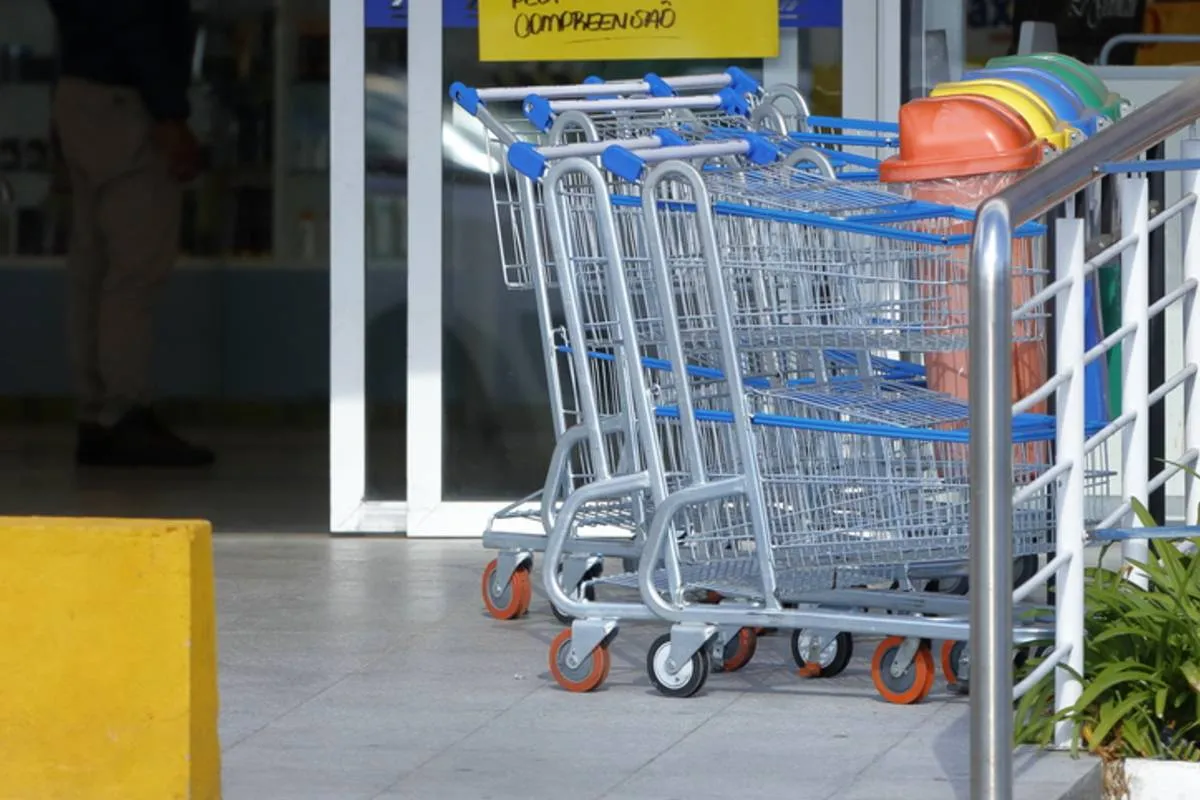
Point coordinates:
[[790, 494], [581, 455]]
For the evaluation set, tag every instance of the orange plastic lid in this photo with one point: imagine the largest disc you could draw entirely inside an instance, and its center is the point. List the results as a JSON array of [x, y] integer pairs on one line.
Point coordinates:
[[957, 136]]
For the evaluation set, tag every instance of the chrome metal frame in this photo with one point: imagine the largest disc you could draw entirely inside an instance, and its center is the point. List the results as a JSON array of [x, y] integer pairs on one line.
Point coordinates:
[[991, 418]]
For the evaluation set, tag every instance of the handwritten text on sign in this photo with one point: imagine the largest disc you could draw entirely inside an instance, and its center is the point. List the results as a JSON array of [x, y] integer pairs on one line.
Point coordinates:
[[610, 30]]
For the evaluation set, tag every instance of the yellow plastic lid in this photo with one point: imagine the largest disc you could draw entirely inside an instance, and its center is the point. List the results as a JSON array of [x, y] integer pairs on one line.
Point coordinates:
[[1021, 99]]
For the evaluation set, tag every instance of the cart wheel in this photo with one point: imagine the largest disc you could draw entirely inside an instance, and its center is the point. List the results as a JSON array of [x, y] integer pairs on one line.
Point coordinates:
[[511, 600], [835, 655], [739, 650], [589, 594], [687, 681], [955, 586], [589, 675], [952, 666], [1024, 653], [911, 687], [1024, 568]]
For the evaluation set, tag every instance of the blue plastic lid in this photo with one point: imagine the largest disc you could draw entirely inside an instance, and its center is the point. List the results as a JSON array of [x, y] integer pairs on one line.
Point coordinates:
[[1064, 101]]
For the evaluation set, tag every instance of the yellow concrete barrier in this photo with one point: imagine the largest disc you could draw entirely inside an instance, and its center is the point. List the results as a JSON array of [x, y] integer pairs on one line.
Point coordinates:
[[108, 684]]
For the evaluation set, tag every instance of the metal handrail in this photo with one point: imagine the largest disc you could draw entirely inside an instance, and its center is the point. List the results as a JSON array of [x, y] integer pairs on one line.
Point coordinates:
[[990, 380], [1144, 38], [1056, 181]]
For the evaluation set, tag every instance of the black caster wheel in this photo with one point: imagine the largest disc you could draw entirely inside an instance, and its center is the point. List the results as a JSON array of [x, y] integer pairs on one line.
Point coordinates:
[[687, 681], [835, 654], [1025, 568]]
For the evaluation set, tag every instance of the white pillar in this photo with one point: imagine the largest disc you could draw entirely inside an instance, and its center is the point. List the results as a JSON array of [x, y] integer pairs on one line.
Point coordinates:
[[1135, 353], [1190, 149], [1070, 441], [347, 277], [426, 93], [871, 65]]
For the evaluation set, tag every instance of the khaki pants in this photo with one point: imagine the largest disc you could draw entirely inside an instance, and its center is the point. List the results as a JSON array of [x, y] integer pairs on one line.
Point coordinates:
[[124, 242]]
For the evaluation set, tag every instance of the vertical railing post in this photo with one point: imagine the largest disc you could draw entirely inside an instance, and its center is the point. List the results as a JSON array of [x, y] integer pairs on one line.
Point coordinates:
[[1156, 450], [1135, 308], [1070, 441], [990, 288], [1191, 325]]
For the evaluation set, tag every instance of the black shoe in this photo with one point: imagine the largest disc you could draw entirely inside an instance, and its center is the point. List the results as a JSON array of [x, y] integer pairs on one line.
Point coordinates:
[[138, 439]]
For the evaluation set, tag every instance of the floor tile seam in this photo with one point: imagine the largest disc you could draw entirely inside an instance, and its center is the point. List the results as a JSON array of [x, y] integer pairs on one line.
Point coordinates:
[[457, 741], [879, 757], [291, 710], [607, 792]]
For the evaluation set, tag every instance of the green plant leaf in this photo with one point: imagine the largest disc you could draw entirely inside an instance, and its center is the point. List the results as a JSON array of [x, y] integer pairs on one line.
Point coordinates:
[[1160, 702], [1119, 629], [1142, 513], [1139, 742], [1191, 672], [1114, 675], [1120, 713]]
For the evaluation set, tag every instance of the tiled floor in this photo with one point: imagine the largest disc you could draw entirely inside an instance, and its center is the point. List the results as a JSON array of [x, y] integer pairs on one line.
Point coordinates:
[[357, 669]]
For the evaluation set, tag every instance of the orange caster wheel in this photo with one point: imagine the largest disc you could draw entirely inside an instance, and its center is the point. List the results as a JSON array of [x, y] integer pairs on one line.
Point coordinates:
[[510, 600], [588, 675], [955, 668], [739, 650], [914, 684]]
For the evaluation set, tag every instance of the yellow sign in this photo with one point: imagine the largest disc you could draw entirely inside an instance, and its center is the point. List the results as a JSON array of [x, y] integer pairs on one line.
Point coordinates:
[[623, 30]]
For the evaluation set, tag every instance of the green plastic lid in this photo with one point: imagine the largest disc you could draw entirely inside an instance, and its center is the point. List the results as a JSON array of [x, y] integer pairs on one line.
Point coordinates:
[[1076, 74]]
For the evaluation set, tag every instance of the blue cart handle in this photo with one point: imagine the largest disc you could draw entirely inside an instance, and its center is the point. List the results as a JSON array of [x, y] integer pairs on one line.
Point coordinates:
[[541, 111], [734, 78], [531, 161], [630, 164]]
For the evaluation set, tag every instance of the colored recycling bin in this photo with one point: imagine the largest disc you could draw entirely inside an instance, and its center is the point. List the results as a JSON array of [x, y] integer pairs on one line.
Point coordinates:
[[1095, 94], [959, 150], [1024, 101], [1069, 107], [1076, 74], [1066, 104]]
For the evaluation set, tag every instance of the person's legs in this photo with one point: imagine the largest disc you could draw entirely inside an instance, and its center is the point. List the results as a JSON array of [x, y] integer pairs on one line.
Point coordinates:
[[85, 258], [138, 214], [85, 273], [127, 246]]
